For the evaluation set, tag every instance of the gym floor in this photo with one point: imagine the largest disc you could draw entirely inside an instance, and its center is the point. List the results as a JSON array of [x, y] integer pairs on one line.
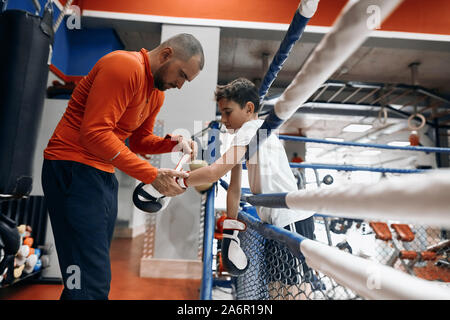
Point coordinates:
[[125, 285]]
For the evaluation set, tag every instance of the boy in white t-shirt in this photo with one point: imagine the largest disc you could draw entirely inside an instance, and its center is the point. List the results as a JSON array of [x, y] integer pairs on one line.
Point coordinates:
[[268, 171]]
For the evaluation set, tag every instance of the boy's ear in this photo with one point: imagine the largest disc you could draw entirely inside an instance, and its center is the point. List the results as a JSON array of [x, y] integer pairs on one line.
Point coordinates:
[[250, 107]]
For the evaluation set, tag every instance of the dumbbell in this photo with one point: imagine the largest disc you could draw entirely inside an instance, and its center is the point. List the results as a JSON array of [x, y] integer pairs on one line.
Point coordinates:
[[30, 263], [18, 271], [38, 265], [25, 230], [22, 255], [22, 229], [28, 241], [43, 254]]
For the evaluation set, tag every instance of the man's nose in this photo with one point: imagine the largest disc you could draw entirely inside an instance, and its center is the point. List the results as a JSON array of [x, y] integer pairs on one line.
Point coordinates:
[[180, 83]]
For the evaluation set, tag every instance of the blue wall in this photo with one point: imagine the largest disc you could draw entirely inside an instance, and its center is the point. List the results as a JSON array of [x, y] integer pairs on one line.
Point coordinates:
[[87, 46], [74, 51]]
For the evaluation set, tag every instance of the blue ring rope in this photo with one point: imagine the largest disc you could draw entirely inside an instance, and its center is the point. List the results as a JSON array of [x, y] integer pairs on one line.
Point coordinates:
[[269, 231], [294, 33], [272, 121], [339, 167], [352, 168], [365, 145]]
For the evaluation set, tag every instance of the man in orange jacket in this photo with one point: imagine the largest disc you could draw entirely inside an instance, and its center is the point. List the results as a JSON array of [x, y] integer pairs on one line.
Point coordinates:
[[119, 99]]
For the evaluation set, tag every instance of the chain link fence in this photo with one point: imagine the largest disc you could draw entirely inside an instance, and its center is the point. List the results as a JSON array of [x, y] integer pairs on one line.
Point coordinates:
[[275, 273]]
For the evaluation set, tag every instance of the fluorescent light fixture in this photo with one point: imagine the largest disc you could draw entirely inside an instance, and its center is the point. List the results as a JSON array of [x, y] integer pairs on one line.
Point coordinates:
[[357, 127], [370, 152], [335, 139], [399, 143]]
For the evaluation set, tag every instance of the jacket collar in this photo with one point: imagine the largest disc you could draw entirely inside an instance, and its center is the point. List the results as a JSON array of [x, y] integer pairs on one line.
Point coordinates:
[[148, 70]]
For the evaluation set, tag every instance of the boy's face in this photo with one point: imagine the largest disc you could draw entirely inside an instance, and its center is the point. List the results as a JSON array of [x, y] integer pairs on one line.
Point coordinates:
[[233, 116]]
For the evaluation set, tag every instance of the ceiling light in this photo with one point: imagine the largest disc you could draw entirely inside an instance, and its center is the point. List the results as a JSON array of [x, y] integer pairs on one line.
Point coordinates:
[[399, 143], [357, 127]]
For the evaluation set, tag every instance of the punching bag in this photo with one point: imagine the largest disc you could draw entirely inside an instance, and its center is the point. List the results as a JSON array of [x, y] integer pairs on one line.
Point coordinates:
[[26, 41]]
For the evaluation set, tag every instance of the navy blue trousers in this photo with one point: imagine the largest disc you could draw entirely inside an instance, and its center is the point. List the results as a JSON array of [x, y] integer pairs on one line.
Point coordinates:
[[82, 206]]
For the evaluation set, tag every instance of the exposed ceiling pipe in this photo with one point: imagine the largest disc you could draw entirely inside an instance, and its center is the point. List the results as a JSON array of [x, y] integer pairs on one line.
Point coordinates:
[[414, 73]]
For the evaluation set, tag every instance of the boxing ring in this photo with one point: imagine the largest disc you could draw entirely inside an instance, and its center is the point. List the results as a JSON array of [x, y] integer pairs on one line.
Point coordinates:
[[285, 265]]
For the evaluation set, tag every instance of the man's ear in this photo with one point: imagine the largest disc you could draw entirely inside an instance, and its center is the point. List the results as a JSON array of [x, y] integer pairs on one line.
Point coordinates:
[[165, 54]]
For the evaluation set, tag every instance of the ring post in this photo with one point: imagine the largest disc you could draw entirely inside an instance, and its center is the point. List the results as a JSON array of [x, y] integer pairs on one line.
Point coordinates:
[[208, 236]]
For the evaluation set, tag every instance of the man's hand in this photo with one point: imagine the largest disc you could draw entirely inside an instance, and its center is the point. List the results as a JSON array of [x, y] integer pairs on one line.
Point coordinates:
[[187, 146], [165, 182]]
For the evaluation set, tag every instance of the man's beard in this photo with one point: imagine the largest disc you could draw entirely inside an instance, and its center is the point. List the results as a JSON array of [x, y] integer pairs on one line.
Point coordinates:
[[158, 81]]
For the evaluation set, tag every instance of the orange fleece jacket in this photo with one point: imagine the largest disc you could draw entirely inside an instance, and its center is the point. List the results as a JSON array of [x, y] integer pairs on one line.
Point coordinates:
[[115, 101]]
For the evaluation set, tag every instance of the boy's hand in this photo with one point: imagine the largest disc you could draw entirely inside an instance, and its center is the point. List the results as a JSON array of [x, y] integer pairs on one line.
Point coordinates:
[[187, 146], [197, 164]]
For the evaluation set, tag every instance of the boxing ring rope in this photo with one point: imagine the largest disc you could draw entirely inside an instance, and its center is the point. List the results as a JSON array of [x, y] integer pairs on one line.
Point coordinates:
[[301, 18], [365, 145], [340, 167], [369, 279], [421, 198]]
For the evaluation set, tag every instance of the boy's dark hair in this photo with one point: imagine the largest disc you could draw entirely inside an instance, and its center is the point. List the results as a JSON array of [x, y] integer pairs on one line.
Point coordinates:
[[240, 91]]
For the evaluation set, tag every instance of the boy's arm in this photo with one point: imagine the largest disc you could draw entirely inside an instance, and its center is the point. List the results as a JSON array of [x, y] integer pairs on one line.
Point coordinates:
[[218, 169], [234, 192]]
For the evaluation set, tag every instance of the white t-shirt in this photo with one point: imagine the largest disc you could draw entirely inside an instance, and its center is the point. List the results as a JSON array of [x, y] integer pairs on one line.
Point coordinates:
[[269, 172]]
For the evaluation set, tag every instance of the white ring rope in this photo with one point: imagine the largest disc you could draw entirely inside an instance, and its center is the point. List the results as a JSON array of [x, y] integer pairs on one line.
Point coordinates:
[[422, 198], [346, 36], [369, 279]]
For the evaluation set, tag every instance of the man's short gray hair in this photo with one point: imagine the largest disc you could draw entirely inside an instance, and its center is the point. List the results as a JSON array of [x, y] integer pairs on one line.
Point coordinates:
[[185, 46]]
